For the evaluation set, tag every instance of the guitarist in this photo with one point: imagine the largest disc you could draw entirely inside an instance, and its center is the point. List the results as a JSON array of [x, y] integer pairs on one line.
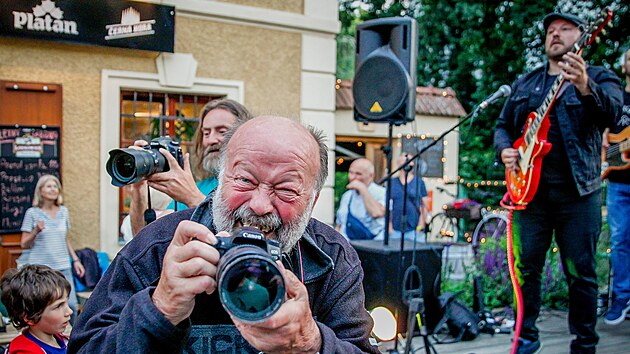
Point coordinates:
[[618, 205], [568, 199]]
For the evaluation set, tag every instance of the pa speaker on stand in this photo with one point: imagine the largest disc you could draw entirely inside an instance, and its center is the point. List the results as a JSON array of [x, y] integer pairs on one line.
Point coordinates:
[[384, 87]]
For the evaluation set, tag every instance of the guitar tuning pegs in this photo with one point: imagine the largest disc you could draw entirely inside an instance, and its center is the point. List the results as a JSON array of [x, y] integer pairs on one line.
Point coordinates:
[[610, 24], [597, 40], [603, 32]]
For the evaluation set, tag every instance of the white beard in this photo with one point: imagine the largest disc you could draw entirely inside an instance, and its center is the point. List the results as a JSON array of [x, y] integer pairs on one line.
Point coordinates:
[[210, 159], [287, 234]]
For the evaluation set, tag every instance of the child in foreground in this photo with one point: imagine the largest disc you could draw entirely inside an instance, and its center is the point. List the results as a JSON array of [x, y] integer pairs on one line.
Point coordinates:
[[36, 298]]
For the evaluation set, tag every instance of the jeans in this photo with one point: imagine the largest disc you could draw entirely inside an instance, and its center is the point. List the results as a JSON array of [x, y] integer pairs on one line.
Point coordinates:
[[576, 222], [409, 235], [618, 205]]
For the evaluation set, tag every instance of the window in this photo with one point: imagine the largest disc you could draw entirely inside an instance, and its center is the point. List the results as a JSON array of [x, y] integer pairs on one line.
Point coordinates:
[[148, 115]]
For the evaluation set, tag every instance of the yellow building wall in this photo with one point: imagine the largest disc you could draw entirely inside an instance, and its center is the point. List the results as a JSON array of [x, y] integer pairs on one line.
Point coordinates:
[[266, 60], [296, 6]]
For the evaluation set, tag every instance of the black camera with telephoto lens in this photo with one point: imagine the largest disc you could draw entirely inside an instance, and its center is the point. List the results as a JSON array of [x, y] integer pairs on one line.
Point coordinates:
[[127, 166], [250, 284]]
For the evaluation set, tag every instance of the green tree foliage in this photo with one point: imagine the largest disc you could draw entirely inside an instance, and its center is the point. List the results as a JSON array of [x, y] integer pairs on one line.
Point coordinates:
[[475, 47]]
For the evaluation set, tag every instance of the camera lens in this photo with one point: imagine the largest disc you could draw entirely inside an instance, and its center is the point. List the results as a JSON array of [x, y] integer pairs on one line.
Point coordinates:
[[251, 286], [125, 166]]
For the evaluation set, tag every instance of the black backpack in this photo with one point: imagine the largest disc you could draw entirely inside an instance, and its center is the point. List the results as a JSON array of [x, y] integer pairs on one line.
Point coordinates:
[[461, 321]]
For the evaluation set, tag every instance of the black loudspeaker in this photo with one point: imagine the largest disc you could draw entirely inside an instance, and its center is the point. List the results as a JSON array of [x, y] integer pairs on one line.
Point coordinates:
[[384, 87], [383, 283]]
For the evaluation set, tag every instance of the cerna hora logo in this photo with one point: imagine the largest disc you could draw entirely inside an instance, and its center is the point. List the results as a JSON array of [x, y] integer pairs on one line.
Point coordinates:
[[45, 17], [130, 26]]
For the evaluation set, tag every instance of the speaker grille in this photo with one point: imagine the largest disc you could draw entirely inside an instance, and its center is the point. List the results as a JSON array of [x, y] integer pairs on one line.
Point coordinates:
[[380, 87]]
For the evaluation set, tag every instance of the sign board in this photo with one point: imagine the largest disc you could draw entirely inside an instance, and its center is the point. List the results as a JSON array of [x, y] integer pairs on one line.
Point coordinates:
[[26, 153], [113, 23], [431, 162]]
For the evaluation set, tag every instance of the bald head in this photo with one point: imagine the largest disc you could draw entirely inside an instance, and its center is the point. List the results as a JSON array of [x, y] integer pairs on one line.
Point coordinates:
[[362, 170], [283, 136], [271, 171]]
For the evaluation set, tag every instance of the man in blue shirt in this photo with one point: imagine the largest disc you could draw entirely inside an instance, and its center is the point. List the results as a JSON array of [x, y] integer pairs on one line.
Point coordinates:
[[364, 199], [217, 117], [416, 200]]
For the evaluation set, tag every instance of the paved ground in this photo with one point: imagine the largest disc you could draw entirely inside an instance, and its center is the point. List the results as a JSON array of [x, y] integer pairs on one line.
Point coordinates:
[[554, 334]]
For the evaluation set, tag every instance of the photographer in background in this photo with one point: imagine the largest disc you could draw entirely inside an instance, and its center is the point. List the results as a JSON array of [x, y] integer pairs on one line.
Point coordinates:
[[178, 183], [160, 293]]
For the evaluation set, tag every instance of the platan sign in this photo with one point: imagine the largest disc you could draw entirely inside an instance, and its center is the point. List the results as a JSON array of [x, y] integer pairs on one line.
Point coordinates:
[[116, 23], [44, 17]]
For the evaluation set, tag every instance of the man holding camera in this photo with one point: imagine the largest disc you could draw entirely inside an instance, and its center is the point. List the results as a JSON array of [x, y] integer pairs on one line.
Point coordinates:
[[160, 293], [178, 183]]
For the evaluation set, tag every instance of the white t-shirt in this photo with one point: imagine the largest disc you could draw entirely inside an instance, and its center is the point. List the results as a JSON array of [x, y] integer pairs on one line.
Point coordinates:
[[49, 247]]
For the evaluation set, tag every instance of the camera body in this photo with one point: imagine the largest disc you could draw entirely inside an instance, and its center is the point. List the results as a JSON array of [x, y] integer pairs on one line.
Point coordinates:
[[127, 166], [250, 283], [168, 144], [248, 236]]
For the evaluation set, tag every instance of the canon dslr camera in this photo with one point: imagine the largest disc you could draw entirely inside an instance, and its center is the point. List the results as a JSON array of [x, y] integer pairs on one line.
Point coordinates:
[[127, 166], [250, 284]]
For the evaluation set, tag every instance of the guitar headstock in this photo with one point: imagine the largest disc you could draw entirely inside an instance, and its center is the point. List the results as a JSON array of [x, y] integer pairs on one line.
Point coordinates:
[[594, 28]]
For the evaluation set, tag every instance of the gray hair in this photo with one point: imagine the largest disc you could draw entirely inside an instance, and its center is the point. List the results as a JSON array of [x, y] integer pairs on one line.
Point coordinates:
[[241, 115]]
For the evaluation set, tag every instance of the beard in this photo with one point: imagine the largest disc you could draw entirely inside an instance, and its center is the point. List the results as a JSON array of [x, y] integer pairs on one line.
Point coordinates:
[[210, 159], [287, 234], [557, 53]]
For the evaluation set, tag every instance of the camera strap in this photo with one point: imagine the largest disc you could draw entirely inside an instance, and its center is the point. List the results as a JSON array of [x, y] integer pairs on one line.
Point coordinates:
[[288, 261], [301, 265], [149, 214]]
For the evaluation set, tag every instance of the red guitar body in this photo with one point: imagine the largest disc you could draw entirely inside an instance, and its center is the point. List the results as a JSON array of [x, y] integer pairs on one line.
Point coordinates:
[[522, 184]]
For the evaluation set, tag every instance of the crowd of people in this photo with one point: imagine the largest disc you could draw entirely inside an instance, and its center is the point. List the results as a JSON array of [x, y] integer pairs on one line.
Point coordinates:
[[160, 294]]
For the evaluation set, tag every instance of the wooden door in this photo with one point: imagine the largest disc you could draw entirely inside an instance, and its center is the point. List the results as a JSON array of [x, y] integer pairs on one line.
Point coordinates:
[[30, 104]]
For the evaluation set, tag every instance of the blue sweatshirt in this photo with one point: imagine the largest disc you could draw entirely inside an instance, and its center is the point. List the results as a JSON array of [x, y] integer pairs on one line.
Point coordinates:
[[120, 316]]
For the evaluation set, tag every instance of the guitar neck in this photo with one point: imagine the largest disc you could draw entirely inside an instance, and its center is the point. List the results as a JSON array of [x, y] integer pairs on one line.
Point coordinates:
[[544, 108], [620, 148]]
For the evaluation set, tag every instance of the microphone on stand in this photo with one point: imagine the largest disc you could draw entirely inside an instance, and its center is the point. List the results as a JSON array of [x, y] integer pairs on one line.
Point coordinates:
[[504, 90]]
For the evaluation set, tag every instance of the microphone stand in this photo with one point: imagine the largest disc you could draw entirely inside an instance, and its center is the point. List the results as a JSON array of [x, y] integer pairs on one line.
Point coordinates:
[[403, 224], [473, 114]]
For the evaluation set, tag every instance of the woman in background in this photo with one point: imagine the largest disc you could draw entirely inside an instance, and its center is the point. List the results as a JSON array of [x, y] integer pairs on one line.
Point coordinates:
[[44, 234]]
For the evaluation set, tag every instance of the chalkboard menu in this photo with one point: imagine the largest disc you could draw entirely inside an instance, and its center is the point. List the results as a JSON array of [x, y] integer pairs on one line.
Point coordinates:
[[431, 162], [26, 153]]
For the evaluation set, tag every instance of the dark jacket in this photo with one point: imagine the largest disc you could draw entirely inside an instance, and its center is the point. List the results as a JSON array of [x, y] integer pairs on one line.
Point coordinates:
[[120, 316], [89, 259], [581, 119]]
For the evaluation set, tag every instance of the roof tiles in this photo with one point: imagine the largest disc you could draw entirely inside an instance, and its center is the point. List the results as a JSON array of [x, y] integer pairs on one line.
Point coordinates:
[[431, 101]]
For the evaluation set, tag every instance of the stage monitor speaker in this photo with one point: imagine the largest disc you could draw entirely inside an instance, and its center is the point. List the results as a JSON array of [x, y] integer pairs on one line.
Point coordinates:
[[384, 87], [382, 285]]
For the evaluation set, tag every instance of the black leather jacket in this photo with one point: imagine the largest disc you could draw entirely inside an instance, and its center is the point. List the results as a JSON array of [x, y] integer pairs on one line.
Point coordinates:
[[581, 119]]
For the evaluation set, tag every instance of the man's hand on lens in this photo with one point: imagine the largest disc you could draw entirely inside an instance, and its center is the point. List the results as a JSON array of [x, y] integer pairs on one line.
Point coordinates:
[[177, 182], [189, 268], [138, 189], [291, 329]]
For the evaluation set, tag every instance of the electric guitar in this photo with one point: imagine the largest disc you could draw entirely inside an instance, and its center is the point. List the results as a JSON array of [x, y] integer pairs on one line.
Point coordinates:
[[533, 145], [617, 156]]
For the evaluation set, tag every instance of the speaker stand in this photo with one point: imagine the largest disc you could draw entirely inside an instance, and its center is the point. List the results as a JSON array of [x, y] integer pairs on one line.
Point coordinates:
[[388, 190], [416, 308]]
